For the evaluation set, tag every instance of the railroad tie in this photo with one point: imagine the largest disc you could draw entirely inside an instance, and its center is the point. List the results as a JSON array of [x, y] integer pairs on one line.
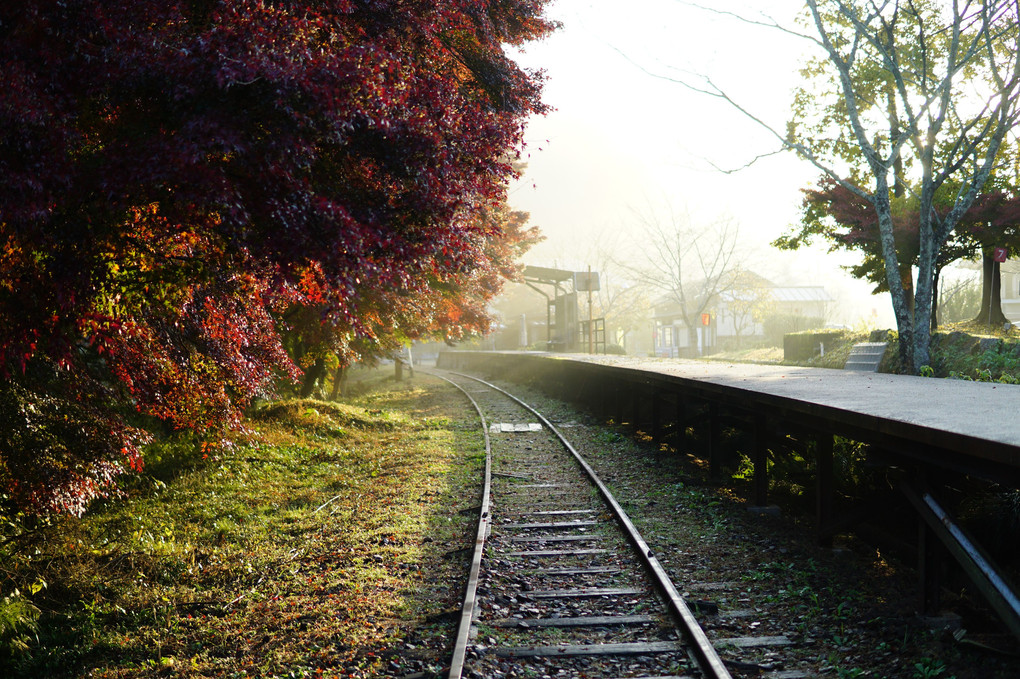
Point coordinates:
[[555, 538], [558, 552], [586, 621], [546, 526], [755, 642], [583, 593], [633, 648]]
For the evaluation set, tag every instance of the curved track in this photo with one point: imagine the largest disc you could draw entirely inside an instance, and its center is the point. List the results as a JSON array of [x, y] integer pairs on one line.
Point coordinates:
[[561, 583]]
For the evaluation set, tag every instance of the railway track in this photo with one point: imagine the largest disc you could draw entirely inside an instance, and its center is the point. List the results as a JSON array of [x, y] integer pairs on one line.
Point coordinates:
[[561, 583]]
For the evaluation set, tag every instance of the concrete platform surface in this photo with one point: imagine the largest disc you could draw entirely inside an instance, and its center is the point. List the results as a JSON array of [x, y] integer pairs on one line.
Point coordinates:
[[980, 410]]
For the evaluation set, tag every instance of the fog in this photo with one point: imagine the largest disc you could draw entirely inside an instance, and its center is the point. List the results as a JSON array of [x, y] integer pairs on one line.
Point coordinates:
[[622, 140]]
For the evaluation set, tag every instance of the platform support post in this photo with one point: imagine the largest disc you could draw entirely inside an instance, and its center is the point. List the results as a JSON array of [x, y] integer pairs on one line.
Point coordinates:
[[635, 402], [929, 566], [714, 441], [618, 404], [603, 404], [759, 460], [824, 488], [657, 418], [679, 423]]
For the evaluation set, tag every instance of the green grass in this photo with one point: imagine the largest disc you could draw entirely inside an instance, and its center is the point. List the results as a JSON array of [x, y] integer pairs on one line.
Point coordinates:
[[310, 547]]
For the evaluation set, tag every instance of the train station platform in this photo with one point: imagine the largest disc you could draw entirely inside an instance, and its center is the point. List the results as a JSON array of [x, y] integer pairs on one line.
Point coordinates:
[[979, 421]]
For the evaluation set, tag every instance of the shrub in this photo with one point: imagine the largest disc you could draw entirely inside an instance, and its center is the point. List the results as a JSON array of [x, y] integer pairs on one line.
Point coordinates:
[[778, 325], [18, 623]]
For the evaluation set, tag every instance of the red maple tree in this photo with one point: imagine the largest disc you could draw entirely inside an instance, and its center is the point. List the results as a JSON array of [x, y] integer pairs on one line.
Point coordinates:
[[178, 174], [847, 222]]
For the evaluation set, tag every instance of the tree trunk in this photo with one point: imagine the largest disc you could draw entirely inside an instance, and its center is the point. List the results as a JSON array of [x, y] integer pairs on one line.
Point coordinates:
[[312, 376], [927, 269], [935, 300], [906, 275], [692, 341], [990, 312], [339, 382], [898, 290], [997, 317], [923, 303]]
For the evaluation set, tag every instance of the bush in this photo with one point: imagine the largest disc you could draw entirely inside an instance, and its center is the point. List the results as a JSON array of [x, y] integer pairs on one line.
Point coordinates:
[[960, 355], [802, 346], [19, 621], [779, 325], [1001, 364], [59, 449]]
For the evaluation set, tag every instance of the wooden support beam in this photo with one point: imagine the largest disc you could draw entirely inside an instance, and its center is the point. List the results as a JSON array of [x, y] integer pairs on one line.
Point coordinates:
[[929, 567], [714, 441], [635, 408], [760, 460], [656, 416], [679, 423], [824, 482], [618, 401]]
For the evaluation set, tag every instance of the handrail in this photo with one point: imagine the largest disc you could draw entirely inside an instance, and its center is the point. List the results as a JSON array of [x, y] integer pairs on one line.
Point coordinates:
[[983, 572]]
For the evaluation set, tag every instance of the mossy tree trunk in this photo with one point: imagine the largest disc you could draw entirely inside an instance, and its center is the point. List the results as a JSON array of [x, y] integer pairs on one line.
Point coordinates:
[[312, 377]]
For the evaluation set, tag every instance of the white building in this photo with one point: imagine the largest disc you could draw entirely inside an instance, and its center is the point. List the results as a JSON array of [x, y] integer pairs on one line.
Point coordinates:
[[1009, 271], [742, 312]]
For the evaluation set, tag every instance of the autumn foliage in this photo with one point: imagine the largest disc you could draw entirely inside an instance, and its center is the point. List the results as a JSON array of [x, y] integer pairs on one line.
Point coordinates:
[[184, 183], [847, 222]]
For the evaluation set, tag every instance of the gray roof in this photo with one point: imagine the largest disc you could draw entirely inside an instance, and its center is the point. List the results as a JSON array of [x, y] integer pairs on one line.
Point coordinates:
[[807, 293]]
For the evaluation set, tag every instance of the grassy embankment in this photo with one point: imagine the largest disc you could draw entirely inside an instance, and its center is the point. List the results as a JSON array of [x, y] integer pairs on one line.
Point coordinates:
[[313, 546]]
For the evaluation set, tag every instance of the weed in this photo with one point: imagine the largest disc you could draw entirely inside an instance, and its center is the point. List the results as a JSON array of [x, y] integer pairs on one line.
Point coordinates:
[[19, 622], [929, 668], [607, 435], [849, 672]]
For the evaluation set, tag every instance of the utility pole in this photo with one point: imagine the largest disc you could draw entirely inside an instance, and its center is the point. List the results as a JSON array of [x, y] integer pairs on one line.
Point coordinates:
[[591, 322]]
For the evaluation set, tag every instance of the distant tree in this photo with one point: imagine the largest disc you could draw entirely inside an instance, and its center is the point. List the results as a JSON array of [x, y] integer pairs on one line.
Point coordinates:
[[749, 301], [690, 264], [847, 222], [959, 300], [910, 96], [621, 299], [177, 175], [624, 303], [950, 76]]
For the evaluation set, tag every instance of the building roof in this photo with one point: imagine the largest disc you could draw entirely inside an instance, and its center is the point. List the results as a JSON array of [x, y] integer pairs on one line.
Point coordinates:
[[803, 293], [806, 293], [542, 274]]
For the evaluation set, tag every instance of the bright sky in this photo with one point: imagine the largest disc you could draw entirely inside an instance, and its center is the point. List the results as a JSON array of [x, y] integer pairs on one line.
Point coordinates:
[[621, 139]]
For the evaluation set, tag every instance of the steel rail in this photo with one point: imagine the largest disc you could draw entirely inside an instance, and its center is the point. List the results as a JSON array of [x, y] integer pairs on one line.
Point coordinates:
[[701, 647], [468, 610]]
